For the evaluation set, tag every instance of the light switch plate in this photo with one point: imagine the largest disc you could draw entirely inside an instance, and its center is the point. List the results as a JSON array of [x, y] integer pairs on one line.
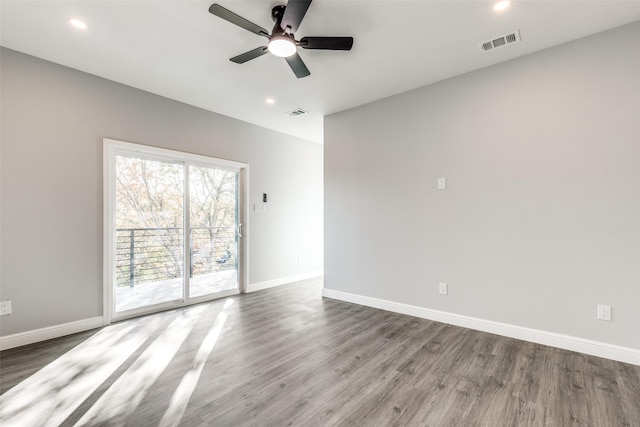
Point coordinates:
[[442, 183], [443, 288]]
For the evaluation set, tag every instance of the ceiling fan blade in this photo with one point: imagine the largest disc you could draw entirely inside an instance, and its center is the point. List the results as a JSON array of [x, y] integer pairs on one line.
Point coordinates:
[[248, 56], [297, 65], [229, 16], [330, 43], [293, 14]]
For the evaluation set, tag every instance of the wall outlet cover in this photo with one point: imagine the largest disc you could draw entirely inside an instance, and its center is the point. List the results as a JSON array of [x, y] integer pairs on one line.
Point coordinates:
[[604, 312], [5, 307]]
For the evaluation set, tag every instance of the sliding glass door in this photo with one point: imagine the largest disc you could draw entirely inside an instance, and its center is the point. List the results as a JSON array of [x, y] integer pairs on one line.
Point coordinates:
[[213, 230], [175, 229]]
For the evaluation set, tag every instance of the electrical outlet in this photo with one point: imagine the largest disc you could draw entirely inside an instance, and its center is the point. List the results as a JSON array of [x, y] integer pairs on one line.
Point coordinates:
[[442, 183], [443, 288], [604, 312], [258, 207], [5, 307]]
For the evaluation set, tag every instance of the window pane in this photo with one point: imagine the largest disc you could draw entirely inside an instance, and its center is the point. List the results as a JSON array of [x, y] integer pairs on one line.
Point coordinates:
[[149, 232], [213, 219]]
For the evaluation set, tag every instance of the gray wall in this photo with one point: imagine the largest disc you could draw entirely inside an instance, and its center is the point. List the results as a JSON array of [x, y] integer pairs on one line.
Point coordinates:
[[53, 122], [541, 218]]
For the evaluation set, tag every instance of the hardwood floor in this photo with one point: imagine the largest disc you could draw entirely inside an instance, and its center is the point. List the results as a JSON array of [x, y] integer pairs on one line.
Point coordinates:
[[285, 356]]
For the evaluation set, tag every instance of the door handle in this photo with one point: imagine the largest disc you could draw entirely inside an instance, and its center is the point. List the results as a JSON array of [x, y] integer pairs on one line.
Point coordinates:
[[239, 230]]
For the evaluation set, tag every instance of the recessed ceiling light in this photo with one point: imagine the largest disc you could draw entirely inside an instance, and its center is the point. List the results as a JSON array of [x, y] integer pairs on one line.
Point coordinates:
[[270, 101], [502, 5], [77, 23]]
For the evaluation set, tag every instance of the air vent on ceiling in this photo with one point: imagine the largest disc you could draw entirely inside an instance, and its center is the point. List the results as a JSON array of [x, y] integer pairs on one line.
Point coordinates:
[[297, 112], [497, 42]]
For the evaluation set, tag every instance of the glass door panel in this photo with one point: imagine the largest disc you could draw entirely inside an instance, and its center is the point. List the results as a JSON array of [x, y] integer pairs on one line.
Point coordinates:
[[213, 225], [149, 232]]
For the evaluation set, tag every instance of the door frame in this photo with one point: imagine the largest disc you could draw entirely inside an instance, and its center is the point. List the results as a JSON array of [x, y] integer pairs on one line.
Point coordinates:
[[111, 148]]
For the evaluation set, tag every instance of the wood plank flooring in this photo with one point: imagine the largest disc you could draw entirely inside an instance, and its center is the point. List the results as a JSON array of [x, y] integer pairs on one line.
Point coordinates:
[[287, 357]]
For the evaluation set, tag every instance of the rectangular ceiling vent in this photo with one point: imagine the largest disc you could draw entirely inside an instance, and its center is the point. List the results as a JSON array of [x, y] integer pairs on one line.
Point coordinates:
[[497, 42], [297, 112]]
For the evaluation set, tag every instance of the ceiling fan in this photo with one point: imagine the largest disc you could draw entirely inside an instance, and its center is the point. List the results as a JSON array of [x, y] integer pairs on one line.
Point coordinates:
[[281, 40]]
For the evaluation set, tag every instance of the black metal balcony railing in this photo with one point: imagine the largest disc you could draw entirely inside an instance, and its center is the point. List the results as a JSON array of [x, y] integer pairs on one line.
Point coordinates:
[[156, 254]]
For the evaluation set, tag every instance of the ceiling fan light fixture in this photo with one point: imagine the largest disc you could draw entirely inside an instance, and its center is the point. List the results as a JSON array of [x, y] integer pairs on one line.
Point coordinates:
[[281, 46]]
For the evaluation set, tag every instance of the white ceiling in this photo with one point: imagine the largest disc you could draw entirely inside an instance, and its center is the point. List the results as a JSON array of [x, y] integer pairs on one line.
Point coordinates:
[[177, 49]]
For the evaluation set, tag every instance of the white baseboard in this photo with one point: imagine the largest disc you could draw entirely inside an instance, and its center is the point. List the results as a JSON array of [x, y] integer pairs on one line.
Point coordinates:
[[581, 345], [30, 337], [252, 287]]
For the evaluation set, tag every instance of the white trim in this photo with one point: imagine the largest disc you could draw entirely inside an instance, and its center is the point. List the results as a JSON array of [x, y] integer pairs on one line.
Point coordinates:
[[243, 244], [186, 227], [37, 335], [567, 342], [108, 239], [147, 151], [252, 287], [171, 305]]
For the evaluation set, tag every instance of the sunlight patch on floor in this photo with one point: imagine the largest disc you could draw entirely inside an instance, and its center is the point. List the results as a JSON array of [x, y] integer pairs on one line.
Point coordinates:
[[182, 395], [50, 395], [122, 362], [126, 393]]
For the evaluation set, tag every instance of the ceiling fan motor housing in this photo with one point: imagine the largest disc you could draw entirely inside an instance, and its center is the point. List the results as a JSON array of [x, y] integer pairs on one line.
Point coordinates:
[[277, 13]]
